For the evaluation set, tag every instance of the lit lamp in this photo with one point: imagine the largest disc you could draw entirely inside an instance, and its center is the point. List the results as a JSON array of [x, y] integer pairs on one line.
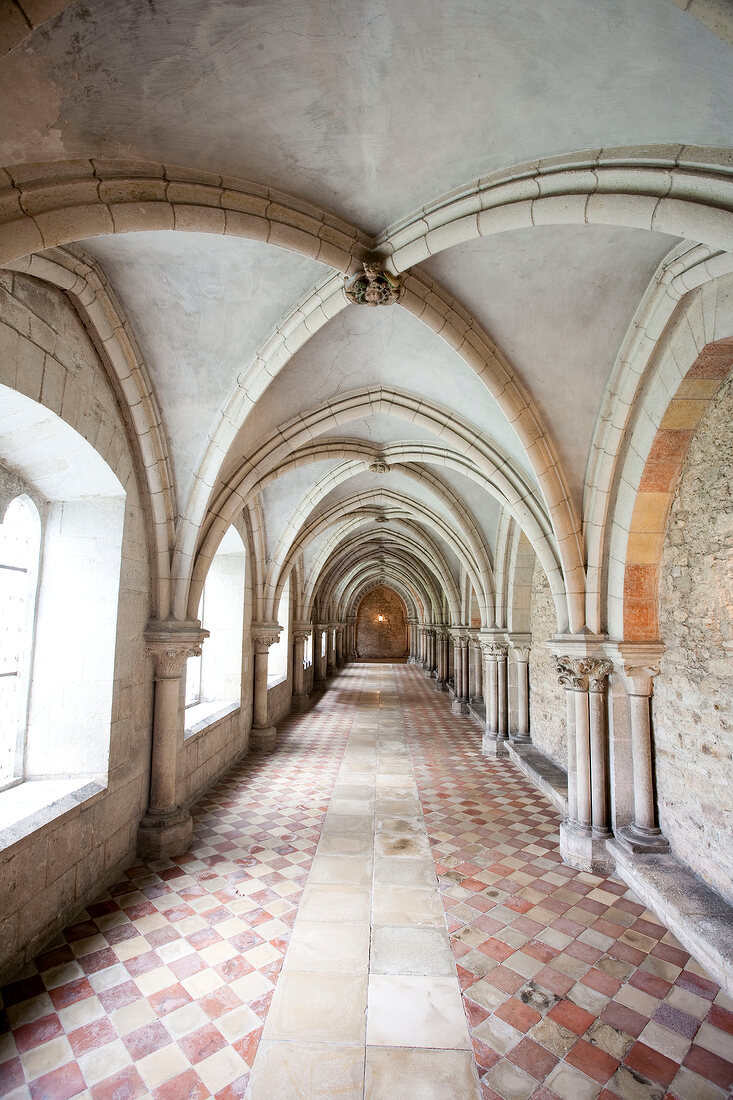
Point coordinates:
[[381, 618]]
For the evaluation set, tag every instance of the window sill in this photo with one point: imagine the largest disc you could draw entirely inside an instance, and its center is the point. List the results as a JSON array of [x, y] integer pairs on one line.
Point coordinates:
[[30, 805], [202, 716], [276, 682]]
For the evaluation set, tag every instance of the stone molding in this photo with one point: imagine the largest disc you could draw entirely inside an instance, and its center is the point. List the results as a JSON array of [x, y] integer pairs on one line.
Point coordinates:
[[171, 644], [638, 664]]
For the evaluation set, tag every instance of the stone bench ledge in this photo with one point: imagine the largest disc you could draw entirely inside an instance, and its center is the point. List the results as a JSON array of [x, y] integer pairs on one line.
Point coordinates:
[[700, 918], [547, 776]]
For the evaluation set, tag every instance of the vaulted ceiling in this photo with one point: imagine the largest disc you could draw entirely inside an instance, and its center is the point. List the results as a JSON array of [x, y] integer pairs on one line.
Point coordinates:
[[374, 445]]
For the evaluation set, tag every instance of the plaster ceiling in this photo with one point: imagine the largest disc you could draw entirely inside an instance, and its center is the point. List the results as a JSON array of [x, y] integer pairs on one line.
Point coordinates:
[[368, 109], [369, 347], [557, 300], [200, 305]]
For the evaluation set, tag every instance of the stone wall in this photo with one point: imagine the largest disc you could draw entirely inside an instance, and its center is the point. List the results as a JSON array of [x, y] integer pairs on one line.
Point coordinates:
[[386, 639], [693, 695], [546, 697], [51, 871]]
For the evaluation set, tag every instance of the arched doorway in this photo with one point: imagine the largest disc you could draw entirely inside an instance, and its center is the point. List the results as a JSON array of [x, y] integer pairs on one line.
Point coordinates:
[[381, 625]]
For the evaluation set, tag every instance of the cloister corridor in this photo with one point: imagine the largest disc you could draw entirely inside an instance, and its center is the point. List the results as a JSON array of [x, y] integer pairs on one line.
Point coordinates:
[[373, 910]]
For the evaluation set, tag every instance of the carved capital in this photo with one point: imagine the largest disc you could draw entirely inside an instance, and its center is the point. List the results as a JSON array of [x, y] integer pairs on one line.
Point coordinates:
[[264, 635], [570, 673], [521, 653], [583, 673], [598, 672], [171, 644], [301, 635], [640, 678]]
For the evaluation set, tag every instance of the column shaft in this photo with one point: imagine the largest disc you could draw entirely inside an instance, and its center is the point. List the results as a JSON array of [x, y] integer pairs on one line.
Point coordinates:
[[599, 795], [166, 725], [582, 757], [502, 696]]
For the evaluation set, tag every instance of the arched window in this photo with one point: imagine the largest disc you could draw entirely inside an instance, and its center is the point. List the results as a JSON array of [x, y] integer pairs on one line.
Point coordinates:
[[214, 680], [62, 533], [277, 665], [20, 541]]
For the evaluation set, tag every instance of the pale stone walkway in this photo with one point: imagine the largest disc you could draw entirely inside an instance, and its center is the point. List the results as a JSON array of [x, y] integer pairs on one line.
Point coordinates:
[[368, 1001]]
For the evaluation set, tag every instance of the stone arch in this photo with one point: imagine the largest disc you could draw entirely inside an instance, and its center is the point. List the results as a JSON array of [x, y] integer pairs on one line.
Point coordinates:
[[415, 589], [381, 623], [416, 544], [82, 280], [658, 484]]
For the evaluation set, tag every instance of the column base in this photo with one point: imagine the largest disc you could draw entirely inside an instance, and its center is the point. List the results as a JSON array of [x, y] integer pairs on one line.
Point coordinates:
[[300, 703], [161, 836], [428, 674], [585, 849], [440, 685], [639, 841], [459, 706], [262, 738], [520, 739], [319, 683], [491, 745]]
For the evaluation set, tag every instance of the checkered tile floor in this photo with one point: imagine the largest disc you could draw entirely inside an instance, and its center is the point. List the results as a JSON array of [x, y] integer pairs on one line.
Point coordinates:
[[161, 988], [572, 989]]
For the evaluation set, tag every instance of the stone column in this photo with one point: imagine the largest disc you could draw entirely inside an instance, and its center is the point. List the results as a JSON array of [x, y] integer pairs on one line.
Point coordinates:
[[167, 827], [262, 736], [600, 809], [319, 662], [502, 693], [460, 657], [474, 670], [339, 659], [583, 833], [330, 649], [429, 652], [412, 639], [442, 658], [457, 673], [639, 670], [465, 669], [301, 632], [521, 654], [488, 744], [494, 738]]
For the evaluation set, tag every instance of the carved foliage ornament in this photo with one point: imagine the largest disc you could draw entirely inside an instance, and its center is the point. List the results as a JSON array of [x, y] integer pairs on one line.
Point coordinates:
[[263, 637], [583, 673], [375, 287], [170, 661]]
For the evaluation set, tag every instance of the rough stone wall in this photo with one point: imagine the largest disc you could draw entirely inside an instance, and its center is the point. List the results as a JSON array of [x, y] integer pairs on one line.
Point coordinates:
[[375, 639], [693, 695], [546, 697]]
